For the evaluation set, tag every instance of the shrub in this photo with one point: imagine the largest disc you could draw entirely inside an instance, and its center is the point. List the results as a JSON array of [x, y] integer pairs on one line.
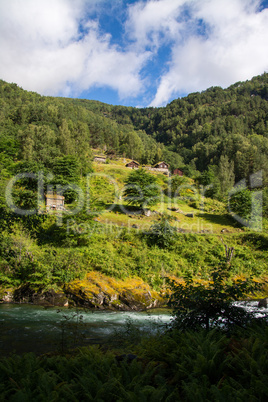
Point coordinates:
[[198, 305], [161, 233]]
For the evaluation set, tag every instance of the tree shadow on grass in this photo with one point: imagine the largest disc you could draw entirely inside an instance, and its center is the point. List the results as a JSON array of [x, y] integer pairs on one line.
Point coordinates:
[[123, 209], [224, 220]]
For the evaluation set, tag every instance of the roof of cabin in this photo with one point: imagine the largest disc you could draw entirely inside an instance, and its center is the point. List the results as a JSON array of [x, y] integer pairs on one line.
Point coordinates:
[[158, 163], [132, 162]]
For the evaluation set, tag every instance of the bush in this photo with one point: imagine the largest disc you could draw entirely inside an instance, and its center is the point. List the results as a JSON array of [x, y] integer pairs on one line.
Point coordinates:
[[199, 305], [161, 233], [240, 203]]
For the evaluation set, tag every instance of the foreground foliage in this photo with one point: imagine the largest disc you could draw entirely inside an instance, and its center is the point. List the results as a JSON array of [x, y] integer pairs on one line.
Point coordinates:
[[175, 366]]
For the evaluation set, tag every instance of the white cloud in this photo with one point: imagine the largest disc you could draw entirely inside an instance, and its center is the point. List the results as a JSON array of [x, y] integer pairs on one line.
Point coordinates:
[[104, 65], [42, 49], [211, 42], [153, 22], [235, 48]]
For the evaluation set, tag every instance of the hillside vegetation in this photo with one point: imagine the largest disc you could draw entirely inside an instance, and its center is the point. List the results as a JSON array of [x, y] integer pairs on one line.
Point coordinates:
[[217, 137], [203, 127]]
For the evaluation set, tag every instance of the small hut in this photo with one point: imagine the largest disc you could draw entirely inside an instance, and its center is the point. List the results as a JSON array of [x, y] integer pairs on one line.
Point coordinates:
[[133, 165], [161, 165], [54, 202], [178, 172]]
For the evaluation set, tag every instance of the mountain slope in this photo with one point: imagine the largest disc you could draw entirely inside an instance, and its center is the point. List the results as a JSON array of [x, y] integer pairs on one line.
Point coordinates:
[[197, 133]]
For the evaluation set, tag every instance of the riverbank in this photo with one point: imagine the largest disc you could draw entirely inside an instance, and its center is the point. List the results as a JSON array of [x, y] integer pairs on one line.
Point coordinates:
[[95, 291], [101, 292]]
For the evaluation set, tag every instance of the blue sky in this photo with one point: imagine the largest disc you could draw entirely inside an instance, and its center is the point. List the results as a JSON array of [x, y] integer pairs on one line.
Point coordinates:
[[131, 52]]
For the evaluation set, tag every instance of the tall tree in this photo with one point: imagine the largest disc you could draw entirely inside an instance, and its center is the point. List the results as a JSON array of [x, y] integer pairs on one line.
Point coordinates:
[[141, 189], [65, 140], [226, 176]]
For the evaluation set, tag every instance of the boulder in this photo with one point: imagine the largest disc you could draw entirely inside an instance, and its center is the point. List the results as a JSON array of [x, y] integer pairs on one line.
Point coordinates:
[[96, 291], [7, 295], [26, 294]]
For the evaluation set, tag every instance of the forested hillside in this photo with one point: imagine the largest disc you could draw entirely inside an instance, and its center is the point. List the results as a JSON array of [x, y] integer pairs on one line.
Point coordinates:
[[220, 135], [202, 127], [216, 137], [40, 129], [193, 133]]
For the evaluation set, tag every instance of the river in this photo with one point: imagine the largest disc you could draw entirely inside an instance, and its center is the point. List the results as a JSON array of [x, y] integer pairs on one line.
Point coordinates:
[[30, 328]]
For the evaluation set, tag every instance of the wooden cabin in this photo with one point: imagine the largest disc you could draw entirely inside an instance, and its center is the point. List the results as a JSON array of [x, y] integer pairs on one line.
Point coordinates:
[[133, 165], [161, 165], [177, 172], [54, 202]]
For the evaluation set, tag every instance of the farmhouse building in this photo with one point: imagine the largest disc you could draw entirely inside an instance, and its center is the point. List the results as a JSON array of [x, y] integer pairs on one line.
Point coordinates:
[[133, 165], [178, 172], [54, 202], [161, 167]]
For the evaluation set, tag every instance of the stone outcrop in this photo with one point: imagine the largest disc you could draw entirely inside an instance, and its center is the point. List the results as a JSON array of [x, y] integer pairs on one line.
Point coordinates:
[[96, 291], [103, 292], [26, 294], [7, 295]]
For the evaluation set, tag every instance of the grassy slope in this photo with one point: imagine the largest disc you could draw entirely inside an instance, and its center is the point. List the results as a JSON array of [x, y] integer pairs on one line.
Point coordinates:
[[112, 247], [121, 250], [202, 222]]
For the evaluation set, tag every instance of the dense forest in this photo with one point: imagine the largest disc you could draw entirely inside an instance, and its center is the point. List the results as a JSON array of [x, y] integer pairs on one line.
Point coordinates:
[[194, 132], [203, 127], [40, 129]]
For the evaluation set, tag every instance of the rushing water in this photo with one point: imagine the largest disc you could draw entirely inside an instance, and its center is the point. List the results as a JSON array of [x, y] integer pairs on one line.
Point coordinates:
[[252, 306], [29, 328]]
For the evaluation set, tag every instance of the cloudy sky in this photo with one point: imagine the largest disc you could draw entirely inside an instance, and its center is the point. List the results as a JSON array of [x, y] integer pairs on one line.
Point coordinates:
[[131, 52]]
